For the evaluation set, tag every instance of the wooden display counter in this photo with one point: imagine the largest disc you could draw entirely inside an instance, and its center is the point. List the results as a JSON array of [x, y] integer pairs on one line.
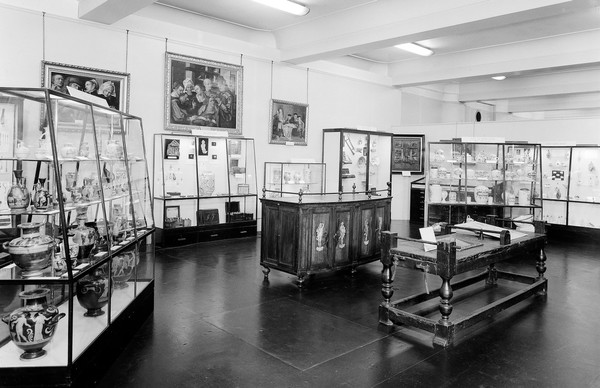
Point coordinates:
[[319, 233]]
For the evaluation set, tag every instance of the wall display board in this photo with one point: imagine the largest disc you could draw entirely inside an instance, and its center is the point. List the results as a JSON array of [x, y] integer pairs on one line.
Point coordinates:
[[571, 184], [205, 188], [77, 231], [481, 179]]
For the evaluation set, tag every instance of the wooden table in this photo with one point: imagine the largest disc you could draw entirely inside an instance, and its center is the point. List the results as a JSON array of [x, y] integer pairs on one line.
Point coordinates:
[[446, 261]]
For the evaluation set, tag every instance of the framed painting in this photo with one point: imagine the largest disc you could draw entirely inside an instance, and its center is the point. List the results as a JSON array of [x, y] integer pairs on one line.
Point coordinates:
[[110, 86], [408, 154], [202, 94], [207, 216], [288, 123]]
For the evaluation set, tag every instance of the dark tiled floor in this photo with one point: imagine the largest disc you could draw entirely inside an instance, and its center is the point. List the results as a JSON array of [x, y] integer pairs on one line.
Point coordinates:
[[217, 324]]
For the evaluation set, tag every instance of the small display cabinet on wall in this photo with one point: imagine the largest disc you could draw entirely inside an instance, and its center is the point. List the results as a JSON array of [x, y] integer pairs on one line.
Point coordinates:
[[357, 160], [205, 188], [284, 179], [76, 226], [482, 179], [571, 185]]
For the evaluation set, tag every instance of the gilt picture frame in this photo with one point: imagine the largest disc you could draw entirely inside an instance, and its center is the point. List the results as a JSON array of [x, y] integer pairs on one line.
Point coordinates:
[[288, 124], [202, 94], [111, 86], [408, 154]]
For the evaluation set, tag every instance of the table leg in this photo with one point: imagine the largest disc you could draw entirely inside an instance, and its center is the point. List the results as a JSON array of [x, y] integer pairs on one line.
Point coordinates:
[[492, 279], [540, 266], [387, 290], [266, 271], [445, 305]]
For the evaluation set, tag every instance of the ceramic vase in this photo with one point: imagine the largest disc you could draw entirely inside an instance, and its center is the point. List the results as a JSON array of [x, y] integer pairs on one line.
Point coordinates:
[[122, 268], [41, 197], [18, 196], [88, 192], [206, 183], [32, 326], [32, 252], [92, 293], [84, 236]]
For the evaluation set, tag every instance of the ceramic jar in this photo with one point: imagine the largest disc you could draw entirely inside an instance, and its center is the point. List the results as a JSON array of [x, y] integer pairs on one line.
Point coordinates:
[[435, 194], [32, 326], [41, 197], [524, 197], [92, 293], [84, 236], [481, 194], [68, 151], [18, 196], [114, 149], [32, 252], [122, 269], [88, 192], [496, 175], [206, 183]]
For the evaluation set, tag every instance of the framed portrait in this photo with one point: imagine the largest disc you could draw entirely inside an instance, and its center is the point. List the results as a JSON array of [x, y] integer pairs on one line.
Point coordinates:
[[288, 123], [408, 154], [203, 146], [202, 94], [111, 86], [172, 149]]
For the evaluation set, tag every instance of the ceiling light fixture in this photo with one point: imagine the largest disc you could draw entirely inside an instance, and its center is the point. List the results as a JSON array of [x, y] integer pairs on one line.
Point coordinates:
[[415, 49], [286, 6], [499, 77]]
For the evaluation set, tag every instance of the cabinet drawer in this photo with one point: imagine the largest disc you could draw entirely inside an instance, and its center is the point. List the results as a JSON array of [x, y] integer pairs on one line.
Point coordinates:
[[173, 238], [243, 232]]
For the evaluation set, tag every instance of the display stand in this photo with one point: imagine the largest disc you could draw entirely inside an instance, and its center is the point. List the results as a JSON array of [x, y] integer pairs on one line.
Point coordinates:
[[87, 236]]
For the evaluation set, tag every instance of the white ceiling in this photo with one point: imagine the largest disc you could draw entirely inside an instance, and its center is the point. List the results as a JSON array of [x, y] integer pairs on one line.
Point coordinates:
[[546, 48]]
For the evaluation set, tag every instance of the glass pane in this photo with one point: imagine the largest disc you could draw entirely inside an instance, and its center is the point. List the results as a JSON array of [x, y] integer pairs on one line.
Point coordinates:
[[585, 175], [379, 162], [354, 169]]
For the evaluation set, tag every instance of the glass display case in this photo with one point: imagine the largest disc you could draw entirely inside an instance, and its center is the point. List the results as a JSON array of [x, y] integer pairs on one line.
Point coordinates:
[[357, 160], [481, 179], [284, 179], [571, 184], [205, 188], [76, 226]]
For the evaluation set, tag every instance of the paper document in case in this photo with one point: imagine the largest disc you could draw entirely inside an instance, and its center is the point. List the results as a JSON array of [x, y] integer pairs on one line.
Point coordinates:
[[494, 231]]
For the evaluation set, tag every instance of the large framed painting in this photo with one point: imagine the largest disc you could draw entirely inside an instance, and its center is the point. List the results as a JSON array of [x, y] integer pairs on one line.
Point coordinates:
[[408, 154], [202, 94], [288, 123], [111, 86]]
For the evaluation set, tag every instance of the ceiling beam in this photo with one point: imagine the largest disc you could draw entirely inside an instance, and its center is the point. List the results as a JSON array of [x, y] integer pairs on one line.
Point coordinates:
[[110, 11], [394, 22]]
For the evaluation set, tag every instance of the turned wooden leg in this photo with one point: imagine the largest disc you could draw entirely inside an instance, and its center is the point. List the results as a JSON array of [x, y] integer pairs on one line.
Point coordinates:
[[445, 305], [266, 271], [540, 266], [492, 279], [387, 290], [301, 279]]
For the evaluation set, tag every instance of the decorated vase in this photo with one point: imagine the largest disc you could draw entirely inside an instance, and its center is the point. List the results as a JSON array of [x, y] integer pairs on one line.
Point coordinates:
[[122, 268], [18, 197], [41, 197], [32, 326], [88, 191], [206, 183], [92, 293], [68, 151], [32, 252], [84, 236]]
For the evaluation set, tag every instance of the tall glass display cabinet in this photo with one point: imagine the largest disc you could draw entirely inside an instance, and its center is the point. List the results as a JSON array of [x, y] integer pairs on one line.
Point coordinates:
[[205, 188], [571, 184], [76, 226], [284, 179], [357, 160], [482, 179]]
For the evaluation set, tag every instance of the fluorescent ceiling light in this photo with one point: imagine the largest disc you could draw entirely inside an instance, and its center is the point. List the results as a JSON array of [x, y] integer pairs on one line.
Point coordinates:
[[499, 77], [415, 49], [286, 6]]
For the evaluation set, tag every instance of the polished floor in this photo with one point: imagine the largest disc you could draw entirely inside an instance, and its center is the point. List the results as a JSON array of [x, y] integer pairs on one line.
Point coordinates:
[[217, 324]]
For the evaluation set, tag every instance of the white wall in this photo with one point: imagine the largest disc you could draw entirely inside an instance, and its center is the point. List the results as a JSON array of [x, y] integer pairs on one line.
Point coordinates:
[[334, 100]]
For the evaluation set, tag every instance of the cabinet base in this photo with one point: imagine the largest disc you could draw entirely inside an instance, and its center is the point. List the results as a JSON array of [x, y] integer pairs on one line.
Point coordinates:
[[96, 359], [176, 237]]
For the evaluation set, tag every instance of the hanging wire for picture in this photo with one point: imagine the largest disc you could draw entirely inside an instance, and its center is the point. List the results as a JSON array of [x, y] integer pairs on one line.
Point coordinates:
[[43, 36], [126, 51]]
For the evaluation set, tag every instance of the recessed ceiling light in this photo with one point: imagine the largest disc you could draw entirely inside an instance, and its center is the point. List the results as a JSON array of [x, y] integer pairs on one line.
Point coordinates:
[[286, 6], [499, 77], [415, 49]]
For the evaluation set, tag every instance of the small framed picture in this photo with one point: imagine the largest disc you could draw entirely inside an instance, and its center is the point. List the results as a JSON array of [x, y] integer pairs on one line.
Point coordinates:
[[172, 212], [207, 216], [202, 146], [243, 188], [172, 149], [408, 154]]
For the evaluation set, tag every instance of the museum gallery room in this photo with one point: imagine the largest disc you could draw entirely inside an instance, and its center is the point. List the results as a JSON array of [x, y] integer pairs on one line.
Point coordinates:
[[299, 193]]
